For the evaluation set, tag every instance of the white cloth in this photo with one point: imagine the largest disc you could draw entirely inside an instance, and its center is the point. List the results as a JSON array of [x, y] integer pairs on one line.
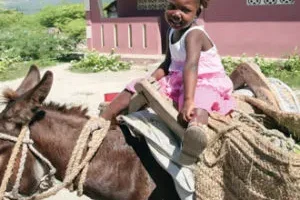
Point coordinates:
[[244, 91], [164, 147], [287, 98]]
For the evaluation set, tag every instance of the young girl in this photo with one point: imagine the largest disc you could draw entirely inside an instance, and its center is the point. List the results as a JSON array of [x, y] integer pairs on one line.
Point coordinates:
[[192, 75]]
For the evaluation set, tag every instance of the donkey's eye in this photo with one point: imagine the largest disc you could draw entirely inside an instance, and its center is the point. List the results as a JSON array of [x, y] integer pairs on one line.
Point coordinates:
[[35, 109]]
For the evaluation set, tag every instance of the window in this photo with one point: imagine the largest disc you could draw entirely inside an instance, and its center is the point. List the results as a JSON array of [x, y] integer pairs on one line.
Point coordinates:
[[269, 2], [151, 4]]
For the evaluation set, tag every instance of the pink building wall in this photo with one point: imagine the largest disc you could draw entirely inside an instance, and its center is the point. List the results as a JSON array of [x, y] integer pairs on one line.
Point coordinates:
[[128, 8], [271, 30], [127, 35]]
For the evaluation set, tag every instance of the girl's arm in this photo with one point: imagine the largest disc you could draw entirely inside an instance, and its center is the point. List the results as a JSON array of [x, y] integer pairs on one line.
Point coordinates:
[[193, 46], [163, 68]]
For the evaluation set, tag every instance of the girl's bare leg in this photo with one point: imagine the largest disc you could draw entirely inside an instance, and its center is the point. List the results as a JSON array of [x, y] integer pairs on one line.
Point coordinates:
[[195, 138], [120, 103]]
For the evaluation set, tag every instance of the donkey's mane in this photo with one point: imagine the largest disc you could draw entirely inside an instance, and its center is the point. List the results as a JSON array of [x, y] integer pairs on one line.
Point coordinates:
[[9, 95], [74, 110]]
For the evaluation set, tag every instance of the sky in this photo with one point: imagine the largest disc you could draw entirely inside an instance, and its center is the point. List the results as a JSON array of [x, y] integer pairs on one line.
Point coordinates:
[[32, 6]]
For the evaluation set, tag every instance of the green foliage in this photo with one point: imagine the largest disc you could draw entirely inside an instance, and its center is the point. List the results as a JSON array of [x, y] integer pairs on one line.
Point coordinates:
[[75, 29], [6, 62], [3, 66], [30, 43], [55, 16], [9, 17], [292, 64], [19, 69], [25, 38], [297, 150], [94, 62], [230, 63], [287, 70], [69, 18]]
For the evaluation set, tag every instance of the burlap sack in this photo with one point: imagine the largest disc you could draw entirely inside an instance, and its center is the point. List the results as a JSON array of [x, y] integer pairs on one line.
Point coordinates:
[[243, 164]]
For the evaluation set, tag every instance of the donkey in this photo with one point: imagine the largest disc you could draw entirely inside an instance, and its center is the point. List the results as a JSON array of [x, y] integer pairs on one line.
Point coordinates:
[[123, 167]]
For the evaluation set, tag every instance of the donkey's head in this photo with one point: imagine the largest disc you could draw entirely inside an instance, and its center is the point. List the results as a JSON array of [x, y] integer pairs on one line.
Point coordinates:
[[23, 103]]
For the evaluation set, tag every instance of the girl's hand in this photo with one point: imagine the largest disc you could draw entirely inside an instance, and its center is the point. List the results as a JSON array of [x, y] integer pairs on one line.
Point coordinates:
[[187, 111]]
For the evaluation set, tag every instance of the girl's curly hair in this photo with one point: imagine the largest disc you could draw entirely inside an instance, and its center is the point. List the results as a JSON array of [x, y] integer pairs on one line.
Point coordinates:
[[202, 4]]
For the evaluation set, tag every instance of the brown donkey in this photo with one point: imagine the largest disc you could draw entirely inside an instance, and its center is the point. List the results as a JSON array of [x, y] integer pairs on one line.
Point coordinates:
[[122, 169]]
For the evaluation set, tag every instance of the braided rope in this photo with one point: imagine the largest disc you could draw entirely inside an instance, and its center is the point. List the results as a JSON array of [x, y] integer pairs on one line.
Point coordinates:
[[12, 160], [78, 150], [49, 178], [15, 190], [93, 145], [14, 139], [27, 144]]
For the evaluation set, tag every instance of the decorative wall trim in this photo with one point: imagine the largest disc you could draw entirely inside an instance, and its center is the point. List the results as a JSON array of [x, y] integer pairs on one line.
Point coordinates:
[[269, 2], [151, 4], [88, 32]]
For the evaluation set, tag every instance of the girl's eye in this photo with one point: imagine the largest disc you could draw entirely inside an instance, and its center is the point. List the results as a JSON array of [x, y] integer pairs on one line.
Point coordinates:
[[185, 10], [170, 7]]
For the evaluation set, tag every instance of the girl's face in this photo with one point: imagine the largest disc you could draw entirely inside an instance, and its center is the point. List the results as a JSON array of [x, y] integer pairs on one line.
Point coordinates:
[[180, 14]]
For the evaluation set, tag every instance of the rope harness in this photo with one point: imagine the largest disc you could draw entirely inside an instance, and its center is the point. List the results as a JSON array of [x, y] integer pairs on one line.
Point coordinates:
[[96, 129], [24, 141]]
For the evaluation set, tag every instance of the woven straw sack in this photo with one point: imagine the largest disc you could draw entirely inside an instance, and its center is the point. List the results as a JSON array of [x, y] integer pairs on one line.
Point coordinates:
[[243, 164]]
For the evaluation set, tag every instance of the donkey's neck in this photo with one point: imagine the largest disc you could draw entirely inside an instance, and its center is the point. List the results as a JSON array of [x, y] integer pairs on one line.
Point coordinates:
[[55, 136]]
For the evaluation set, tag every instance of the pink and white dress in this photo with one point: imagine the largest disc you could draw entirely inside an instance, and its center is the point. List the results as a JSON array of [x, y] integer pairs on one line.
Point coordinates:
[[214, 87]]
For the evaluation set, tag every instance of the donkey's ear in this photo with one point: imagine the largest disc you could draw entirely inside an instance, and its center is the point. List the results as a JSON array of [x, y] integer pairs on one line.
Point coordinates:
[[32, 79], [24, 107], [39, 93]]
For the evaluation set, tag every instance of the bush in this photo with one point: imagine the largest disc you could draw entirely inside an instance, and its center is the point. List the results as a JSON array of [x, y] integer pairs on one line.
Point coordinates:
[[75, 29], [9, 17], [24, 38], [55, 16], [31, 44], [94, 62], [6, 62], [69, 18], [230, 63], [292, 64], [269, 67], [287, 70]]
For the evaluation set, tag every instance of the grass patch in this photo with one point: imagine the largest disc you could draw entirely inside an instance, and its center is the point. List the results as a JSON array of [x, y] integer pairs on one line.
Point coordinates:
[[287, 70], [20, 69], [94, 62], [291, 79]]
